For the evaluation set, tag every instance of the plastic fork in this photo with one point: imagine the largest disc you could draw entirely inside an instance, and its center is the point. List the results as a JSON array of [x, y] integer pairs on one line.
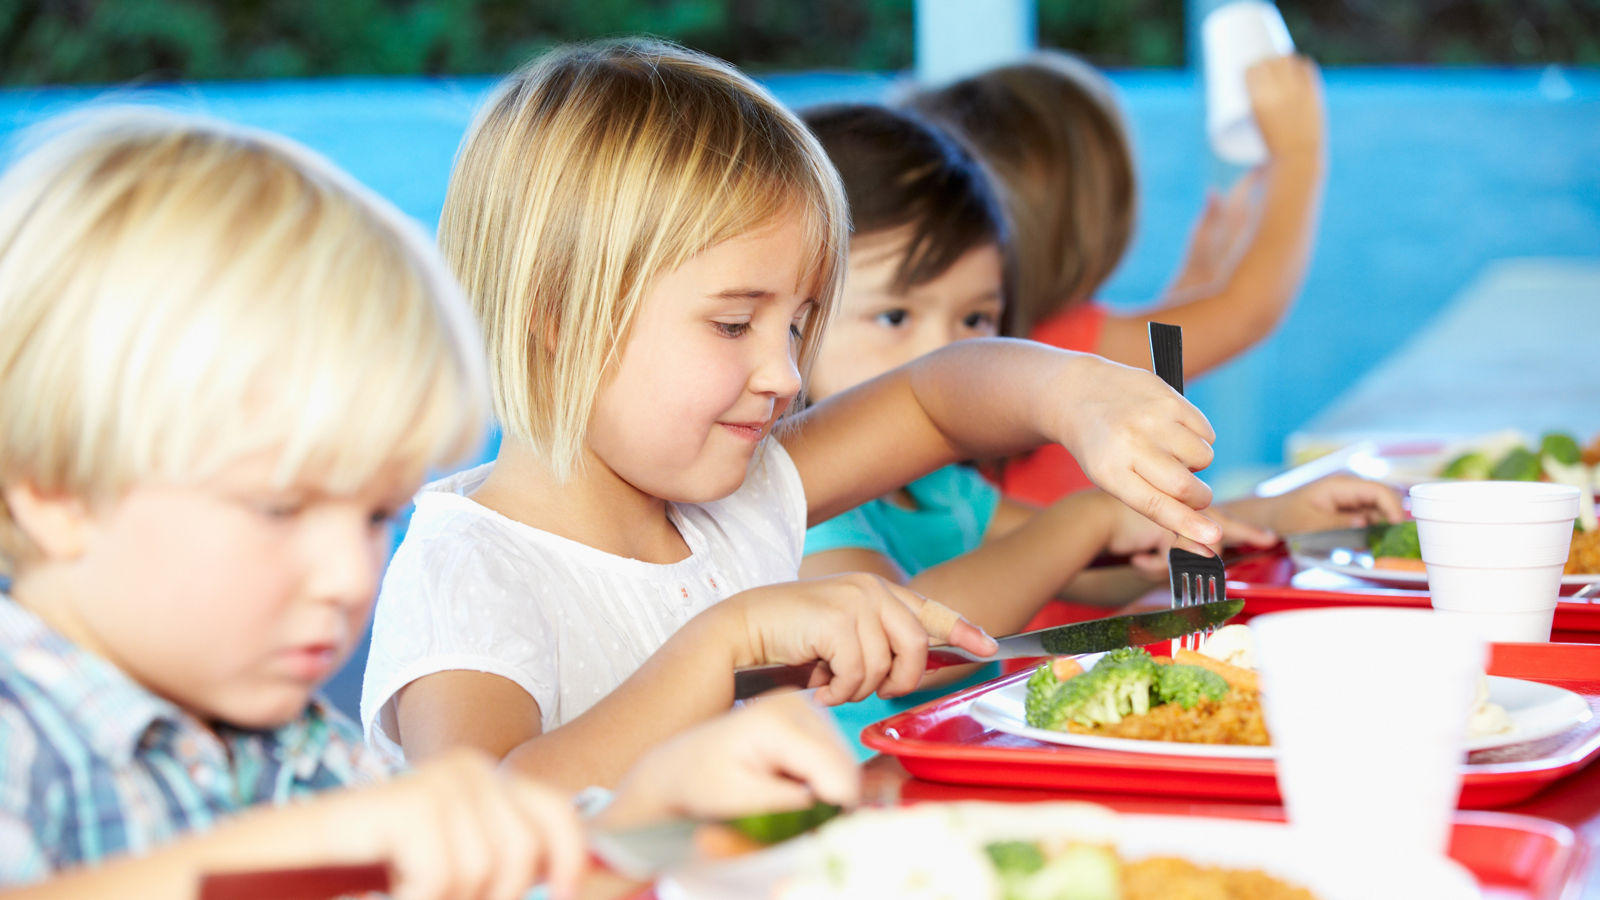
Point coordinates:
[[1194, 578]]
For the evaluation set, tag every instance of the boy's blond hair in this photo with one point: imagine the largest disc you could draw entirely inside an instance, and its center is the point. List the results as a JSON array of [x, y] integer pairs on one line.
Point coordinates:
[[1051, 131], [176, 293], [592, 171]]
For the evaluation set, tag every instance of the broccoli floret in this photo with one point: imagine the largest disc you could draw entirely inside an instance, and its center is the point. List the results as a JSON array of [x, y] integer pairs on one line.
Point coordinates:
[[1187, 685], [1474, 465], [1078, 872], [1394, 539], [1015, 858], [1119, 685], [770, 828], [1521, 464], [1561, 447]]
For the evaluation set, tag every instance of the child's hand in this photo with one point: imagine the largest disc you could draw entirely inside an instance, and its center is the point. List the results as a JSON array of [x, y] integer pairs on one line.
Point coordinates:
[[1337, 501], [1218, 236], [1286, 96], [460, 827], [1146, 543], [868, 633], [774, 754], [1139, 441]]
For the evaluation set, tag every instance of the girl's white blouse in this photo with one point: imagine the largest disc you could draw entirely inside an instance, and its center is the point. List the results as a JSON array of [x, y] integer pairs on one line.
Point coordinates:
[[469, 589]]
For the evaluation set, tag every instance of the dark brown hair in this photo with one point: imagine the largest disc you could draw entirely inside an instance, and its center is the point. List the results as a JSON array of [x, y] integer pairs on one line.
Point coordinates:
[[899, 172], [1050, 130]]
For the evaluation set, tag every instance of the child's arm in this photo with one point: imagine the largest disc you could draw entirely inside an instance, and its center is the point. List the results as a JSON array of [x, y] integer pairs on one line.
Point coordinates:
[[980, 398], [863, 628], [1286, 95], [456, 827]]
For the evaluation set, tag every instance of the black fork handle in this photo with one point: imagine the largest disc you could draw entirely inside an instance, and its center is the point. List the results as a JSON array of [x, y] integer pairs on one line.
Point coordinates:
[[1166, 354]]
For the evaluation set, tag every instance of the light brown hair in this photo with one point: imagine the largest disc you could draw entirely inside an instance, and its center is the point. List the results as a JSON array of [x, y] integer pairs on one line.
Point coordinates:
[[1050, 130]]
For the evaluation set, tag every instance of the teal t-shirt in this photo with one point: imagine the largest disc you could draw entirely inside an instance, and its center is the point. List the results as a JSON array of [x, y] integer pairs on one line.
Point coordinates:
[[954, 506]]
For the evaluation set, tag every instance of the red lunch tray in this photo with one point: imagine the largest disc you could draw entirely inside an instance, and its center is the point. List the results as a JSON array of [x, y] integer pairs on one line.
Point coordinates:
[[1269, 583], [938, 741]]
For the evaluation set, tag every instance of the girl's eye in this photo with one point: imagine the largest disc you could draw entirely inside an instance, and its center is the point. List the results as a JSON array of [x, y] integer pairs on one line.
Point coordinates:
[[893, 318], [381, 518], [731, 329], [978, 320], [794, 331]]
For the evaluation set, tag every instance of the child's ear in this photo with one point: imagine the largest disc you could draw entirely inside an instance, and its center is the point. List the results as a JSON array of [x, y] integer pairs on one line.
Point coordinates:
[[57, 524]]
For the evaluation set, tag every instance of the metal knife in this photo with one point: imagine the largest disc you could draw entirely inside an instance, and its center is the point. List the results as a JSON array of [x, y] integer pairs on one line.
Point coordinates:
[[1094, 636]]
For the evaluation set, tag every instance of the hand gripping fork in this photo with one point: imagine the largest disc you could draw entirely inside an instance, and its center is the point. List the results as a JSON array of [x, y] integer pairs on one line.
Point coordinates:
[[1195, 578]]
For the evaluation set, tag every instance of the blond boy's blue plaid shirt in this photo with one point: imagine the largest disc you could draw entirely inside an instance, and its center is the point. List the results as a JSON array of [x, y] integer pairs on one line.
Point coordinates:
[[92, 765]]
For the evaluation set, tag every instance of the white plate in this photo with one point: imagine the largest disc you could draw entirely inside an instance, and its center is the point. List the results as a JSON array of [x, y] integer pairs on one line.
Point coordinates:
[[1268, 846], [1537, 710]]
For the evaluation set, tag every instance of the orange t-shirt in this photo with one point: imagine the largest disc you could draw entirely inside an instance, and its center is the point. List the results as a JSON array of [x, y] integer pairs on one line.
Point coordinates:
[[1050, 473]]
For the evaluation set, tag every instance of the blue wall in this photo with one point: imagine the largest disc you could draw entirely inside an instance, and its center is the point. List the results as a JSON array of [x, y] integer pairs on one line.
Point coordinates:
[[1434, 174]]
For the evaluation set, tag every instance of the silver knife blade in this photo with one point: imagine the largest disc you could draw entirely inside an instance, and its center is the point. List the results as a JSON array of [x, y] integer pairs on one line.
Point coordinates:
[[1094, 636]]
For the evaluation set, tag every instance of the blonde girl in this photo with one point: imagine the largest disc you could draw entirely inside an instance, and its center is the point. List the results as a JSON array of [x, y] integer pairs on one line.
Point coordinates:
[[654, 246]]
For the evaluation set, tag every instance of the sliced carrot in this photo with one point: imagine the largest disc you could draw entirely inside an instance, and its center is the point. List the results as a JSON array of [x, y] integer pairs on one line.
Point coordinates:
[[1235, 676], [1066, 667], [1398, 563]]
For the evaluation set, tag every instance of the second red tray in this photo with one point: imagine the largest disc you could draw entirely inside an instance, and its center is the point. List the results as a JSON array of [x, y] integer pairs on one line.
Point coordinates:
[[938, 741]]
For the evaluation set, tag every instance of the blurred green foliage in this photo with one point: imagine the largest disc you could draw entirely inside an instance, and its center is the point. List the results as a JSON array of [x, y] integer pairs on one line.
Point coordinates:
[[54, 41]]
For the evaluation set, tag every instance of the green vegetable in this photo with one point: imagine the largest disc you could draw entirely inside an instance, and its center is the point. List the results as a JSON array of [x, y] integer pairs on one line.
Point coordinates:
[[1394, 539], [1015, 858], [770, 828], [1119, 685], [1521, 464], [1561, 447], [1079, 872], [1186, 685], [1474, 465]]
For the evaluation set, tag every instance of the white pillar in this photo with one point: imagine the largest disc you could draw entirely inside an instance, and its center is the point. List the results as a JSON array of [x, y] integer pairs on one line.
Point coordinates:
[[957, 38]]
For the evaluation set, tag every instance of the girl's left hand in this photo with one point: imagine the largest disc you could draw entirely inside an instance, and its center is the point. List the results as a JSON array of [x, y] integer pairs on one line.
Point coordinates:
[[1138, 440]]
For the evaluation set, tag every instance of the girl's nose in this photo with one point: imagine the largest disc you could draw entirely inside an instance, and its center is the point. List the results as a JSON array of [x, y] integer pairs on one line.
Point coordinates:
[[777, 373]]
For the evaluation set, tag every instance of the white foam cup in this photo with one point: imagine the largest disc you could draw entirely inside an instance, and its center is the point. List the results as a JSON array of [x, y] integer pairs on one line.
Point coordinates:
[[1494, 551], [1233, 38], [1368, 713]]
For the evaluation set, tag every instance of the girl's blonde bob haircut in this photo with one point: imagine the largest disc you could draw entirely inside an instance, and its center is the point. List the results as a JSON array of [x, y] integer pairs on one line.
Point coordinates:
[[1051, 131], [177, 293], [592, 171]]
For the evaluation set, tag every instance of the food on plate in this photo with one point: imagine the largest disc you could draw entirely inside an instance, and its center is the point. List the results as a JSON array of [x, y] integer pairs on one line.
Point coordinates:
[[1487, 718], [1128, 693], [746, 834], [1394, 546], [1584, 557], [1232, 644], [1212, 696], [980, 851], [1507, 457]]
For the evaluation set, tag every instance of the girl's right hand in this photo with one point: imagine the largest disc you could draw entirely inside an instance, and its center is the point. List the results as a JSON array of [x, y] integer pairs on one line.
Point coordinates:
[[459, 827], [869, 634]]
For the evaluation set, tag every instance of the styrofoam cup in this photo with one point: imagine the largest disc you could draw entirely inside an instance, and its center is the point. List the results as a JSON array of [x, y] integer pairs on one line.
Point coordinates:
[[1494, 551], [1233, 38], [1368, 713]]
